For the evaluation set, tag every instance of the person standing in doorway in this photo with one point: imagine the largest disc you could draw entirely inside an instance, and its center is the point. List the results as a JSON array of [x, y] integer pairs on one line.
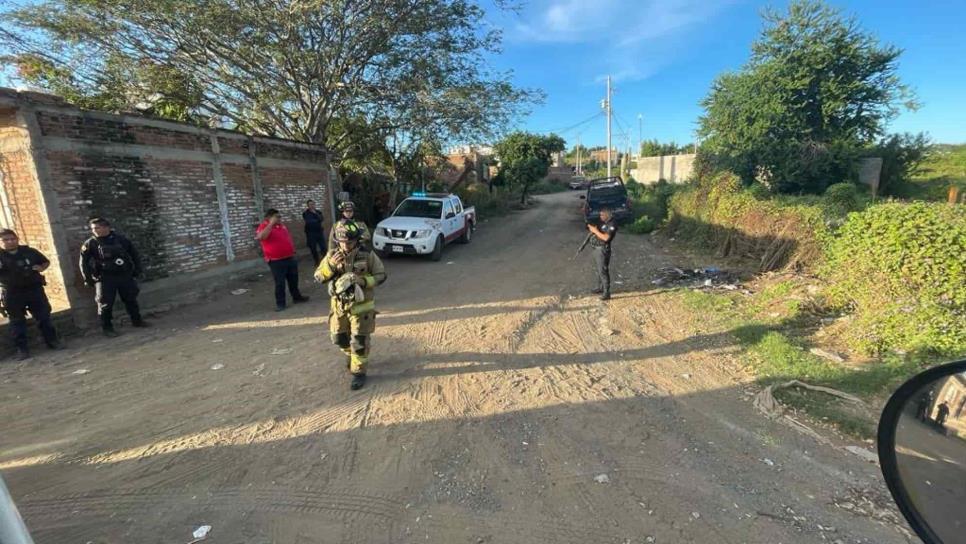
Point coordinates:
[[22, 291], [279, 252], [314, 235], [110, 263]]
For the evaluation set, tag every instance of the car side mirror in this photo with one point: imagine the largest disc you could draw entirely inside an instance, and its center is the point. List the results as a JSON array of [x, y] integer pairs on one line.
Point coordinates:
[[922, 445], [450, 215]]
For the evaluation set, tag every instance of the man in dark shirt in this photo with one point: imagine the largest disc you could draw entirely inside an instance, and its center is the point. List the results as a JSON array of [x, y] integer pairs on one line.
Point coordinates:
[[22, 291], [314, 236], [110, 263], [603, 236]]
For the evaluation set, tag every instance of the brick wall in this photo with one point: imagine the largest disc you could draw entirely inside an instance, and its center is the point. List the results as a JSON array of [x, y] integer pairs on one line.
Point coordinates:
[[22, 203], [186, 207]]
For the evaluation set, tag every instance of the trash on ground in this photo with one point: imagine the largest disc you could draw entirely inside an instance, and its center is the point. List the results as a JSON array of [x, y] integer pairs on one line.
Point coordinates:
[[699, 278], [450, 262], [768, 462], [239, 291], [200, 533], [282, 351], [217, 366], [81, 371], [217, 340], [602, 478]]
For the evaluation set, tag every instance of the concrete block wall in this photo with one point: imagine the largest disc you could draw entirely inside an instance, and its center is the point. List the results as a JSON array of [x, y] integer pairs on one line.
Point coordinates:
[[188, 197], [673, 168]]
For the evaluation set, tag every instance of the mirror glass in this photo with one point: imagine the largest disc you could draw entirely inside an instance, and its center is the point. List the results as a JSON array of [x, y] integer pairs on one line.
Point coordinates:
[[931, 455]]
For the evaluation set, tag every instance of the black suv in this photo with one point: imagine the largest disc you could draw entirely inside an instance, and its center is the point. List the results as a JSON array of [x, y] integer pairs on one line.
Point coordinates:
[[606, 193]]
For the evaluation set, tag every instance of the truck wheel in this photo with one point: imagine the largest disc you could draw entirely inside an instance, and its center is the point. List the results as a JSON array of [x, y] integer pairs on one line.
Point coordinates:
[[467, 234], [438, 250]]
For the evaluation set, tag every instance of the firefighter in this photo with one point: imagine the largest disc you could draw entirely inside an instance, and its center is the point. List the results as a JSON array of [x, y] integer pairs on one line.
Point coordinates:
[[348, 209], [352, 273], [22, 290], [110, 263]]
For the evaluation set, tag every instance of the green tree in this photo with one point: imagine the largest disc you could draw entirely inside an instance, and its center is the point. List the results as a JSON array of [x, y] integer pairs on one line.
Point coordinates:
[[654, 148], [525, 159], [816, 90], [329, 72]]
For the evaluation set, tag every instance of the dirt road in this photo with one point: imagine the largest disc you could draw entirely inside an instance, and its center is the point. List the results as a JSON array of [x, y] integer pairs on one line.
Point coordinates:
[[505, 406]]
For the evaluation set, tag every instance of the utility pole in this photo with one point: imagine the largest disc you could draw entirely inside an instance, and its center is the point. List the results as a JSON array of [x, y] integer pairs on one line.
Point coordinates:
[[578, 155], [607, 105], [640, 133]]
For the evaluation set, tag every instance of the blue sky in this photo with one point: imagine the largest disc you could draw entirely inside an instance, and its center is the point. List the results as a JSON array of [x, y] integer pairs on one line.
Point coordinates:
[[664, 54]]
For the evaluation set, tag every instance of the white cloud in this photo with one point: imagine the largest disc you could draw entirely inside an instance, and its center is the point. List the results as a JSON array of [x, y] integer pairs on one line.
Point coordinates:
[[632, 38]]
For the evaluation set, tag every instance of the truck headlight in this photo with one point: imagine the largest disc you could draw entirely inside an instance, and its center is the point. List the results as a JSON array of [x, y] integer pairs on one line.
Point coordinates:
[[423, 233], [382, 232]]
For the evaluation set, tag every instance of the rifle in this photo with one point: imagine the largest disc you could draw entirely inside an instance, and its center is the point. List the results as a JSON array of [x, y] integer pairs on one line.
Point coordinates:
[[583, 245]]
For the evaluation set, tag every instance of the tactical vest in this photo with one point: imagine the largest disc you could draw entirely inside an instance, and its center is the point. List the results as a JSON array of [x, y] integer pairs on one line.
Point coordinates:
[[18, 272], [111, 258]]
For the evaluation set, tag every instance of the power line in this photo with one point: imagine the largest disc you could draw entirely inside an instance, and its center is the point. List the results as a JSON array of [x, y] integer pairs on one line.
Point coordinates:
[[577, 125]]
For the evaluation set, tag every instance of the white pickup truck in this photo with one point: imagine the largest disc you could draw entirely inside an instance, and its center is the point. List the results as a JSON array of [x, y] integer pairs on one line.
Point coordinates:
[[424, 223]]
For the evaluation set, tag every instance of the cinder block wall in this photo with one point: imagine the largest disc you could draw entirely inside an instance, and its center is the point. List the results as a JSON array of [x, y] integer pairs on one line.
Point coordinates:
[[188, 197], [672, 168]]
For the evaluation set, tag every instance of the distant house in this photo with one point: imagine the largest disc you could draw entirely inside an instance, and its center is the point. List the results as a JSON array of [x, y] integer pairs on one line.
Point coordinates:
[[600, 155], [464, 166]]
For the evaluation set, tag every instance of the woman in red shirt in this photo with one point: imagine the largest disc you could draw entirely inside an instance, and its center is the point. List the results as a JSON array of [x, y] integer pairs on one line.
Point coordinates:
[[279, 252]]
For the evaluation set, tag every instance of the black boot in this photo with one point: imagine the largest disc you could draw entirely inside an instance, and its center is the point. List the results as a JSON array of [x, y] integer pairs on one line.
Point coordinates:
[[358, 380], [23, 354], [107, 325], [139, 323], [50, 336]]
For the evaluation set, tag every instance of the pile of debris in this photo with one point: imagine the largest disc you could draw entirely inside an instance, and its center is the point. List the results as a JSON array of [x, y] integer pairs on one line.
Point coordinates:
[[697, 278]]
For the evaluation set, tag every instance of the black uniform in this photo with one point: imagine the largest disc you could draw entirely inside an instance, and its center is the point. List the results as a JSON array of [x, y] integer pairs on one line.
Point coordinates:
[[602, 255], [110, 264], [23, 291], [314, 236]]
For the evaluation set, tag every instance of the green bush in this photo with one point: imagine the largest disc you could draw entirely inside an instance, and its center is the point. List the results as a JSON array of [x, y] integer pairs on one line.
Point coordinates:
[[642, 225], [902, 269], [548, 186], [649, 204], [488, 204], [842, 198], [720, 214]]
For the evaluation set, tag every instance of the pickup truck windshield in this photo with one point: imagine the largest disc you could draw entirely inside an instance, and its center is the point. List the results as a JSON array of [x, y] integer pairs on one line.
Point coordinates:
[[429, 209]]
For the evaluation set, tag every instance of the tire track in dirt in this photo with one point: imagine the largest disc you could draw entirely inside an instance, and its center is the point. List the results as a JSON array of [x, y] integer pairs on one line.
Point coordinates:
[[345, 505]]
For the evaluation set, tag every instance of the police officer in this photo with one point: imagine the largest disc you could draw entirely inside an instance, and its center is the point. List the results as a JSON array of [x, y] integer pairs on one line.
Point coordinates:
[[352, 273], [314, 236], [110, 263], [603, 236], [22, 291], [348, 209]]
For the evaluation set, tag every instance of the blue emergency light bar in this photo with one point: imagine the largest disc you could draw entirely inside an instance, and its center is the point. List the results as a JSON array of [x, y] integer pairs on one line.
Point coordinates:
[[418, 194]]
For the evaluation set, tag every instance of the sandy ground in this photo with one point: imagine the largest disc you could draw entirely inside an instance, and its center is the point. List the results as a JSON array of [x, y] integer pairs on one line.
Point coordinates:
[[505, 405]]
